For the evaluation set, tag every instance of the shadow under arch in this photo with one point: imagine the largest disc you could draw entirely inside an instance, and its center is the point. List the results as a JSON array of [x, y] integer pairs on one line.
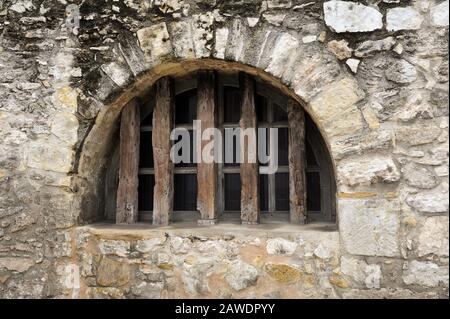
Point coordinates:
[[98, 146]]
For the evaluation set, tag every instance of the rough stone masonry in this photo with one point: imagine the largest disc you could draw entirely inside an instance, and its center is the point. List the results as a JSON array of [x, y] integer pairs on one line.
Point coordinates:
[[372, 74]]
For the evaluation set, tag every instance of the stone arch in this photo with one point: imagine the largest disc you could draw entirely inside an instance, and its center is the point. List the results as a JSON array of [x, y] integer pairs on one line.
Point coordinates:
[[306, 72]]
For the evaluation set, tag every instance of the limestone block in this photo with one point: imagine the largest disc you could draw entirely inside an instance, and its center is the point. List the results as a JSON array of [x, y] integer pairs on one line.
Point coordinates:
[[371, 117], [119, 248], [203, 34], [113, 273], [419, 176], [119, 73], [274, 19], [65, 127], [313, 71], [241, 275], [285, 48], [353, 64], [340, 49], [439, 14], [237, 40], [367, 171], [431, 201], [346, 16], [406, 18], [433, 237], [280, 246], [148, 290], [179, 245], [426, 274], [283, 273], [418, 133], [401, 71], [168, 6], [132, 54], [195, 277], [221, 42], [51, 155], [361, 272], [19, 264], [323, 252], [335, 107], [22, 6], [252, 22], [353, 268], [373, 276], [368, 48], [155, 42], [368, 227], [148, 245], [66, 97], [182, 40]]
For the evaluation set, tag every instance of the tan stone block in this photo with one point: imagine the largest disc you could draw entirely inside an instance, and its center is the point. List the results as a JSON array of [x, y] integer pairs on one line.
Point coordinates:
[[51, 155], [111, 272], [283, 273], [335, 108], [357, 195], [339, 282], [67, 97], [155, 42], [313, 72], [65, 127], [369, 227], [182, 41], [340, 49], [371, 118], [19, 264], [433, 237]]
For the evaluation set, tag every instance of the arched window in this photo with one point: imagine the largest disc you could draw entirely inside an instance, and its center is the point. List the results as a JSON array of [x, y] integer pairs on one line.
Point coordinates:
[[274, 196]]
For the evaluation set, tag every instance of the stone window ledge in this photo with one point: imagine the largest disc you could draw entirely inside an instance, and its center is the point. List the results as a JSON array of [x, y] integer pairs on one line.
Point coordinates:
[[222, 230]]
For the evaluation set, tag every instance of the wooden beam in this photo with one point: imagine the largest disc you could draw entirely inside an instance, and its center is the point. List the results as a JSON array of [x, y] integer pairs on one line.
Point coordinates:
[[207, 172], [127, 192], [162, 127], [250, 210], [297, 163]]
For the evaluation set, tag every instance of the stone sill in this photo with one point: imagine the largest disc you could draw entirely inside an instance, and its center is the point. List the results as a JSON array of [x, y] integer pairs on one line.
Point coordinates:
[[222, 230]]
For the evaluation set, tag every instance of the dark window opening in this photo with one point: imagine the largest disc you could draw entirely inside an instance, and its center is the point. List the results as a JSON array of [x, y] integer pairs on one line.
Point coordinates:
[[283, 147], [310, 157], [232, 104], [261, 108], [232, 192], [186, 107], [146, 186], [185, 192], [279, 114], [148, 121], [313, 191], [282, 192], [146, 150], [264, 192]]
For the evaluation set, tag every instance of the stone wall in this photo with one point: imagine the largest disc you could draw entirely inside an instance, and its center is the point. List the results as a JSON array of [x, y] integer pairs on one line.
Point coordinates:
[[372, 74]]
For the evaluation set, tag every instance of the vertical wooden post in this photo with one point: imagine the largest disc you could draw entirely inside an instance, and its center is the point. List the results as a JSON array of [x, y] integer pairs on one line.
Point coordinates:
[[249, 171], [297, 163], [127, 192], [206, 172], [162, 127]]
